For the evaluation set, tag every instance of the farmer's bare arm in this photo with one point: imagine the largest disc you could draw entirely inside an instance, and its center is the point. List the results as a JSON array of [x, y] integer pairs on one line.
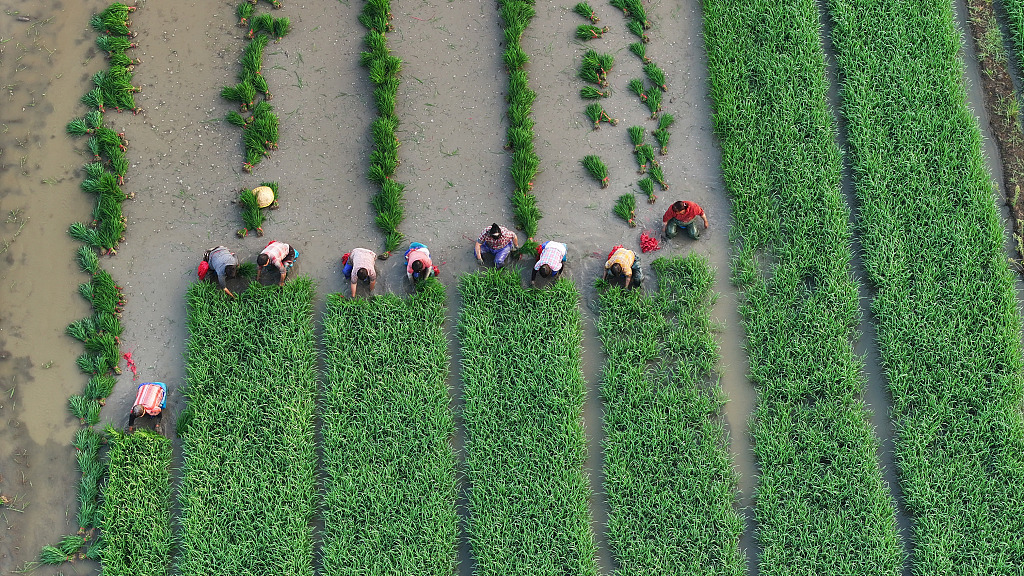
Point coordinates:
[[476, 249]]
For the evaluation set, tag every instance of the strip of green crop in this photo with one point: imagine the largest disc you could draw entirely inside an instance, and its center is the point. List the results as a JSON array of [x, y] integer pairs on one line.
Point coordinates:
[[525, 446], [137, 505], [668, 474], [389, 502], [945, 304], [822, 505], [1015, 22], [248, 480]]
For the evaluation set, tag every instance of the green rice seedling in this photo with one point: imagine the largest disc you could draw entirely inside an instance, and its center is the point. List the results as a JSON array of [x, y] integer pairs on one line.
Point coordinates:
[[77, 127], [637, 13], [605, 62], [122, 59], [71, 544], [105, 346], [136, 518], [110, 232], [590, 32], [658, 176], [584, 9], [88, 364], [636, 136], [506, 386], [653, 101], [640, 49], [244, 93], [114, 44], [589, 74], [257, 457], [93, 170], [252, 54], [246, 270], [524, 167], [637, 28], [596, 168], [108, 322], [87, 260], [95, 550], [526, 212], [84, 234], [661, 134], [656, 75], [647, 187], [384, 69], [88, 514], [236, 119], [94, 99], [636, 86], [51, 555], [591, 93], [382, 130], [99, 387], [384, 97], [253, 156], [664, 364], [244, 12], [280, 28], [88, 440], [105, 294], [597, 114], [515, 57], [621, 5], [87, 411], [82, 329], [625, 208], [252, 215], [800, 301], [266, 127], [519, 138], [375, 21], [593, 68], [374, 414], [260, 23], [644, 158]]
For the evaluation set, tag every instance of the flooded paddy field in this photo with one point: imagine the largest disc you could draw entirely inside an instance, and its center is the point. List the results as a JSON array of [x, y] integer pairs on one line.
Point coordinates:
[[186, 168]]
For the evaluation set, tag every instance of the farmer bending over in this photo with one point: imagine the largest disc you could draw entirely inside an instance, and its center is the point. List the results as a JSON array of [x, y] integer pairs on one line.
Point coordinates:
[[496, 240], [359, 267], [623, 262], [281, 255], [222, 263], [682, 215], [550, 257], [150, 401], [417, 262]]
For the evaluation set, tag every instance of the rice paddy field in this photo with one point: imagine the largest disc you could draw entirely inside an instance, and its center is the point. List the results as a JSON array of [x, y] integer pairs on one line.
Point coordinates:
[[828, 381]]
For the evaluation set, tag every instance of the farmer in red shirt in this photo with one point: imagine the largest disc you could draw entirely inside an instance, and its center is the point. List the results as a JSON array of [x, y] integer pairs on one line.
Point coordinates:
[[682, 214]]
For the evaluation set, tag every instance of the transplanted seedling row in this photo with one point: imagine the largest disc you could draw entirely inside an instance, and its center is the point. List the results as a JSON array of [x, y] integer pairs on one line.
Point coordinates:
[[136, 523], [389, 499], [822, 506], [667, 471], [384, 71], [949, 327], [248, 481], [525, 445]]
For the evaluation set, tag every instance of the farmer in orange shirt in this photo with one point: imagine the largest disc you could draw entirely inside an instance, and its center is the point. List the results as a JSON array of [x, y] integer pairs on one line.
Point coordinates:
[[150, 401], [684, 215]]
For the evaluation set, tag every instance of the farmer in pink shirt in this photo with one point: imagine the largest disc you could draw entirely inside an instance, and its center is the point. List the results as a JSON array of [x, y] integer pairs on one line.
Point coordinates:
[[550, 257], [359, 267], [280, 255]]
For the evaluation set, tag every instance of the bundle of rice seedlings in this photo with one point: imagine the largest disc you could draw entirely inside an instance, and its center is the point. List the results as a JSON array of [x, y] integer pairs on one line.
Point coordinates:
[[244, 93], [637, 13], [114, 44], [584, 9], [640, 49], [662, 134], [637, 28], [644, 157], [647, 187], [87, 440], [244, 12], [624, 208], [658, 176], [621, 5], [636, 136], [82, 329], [94, 98], [280, 28], [656, 75], [261, 23], [653, 101], [252, 215], [590, 32], [596, 168], [99, 387], [591, 93], [595, 67], [84, 234], [87, 259], [108, 322], [597, 114], [636, 86], [87, 411]]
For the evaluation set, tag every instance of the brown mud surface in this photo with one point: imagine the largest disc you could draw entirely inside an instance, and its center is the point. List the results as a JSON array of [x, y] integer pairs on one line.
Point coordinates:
[[186, 170]]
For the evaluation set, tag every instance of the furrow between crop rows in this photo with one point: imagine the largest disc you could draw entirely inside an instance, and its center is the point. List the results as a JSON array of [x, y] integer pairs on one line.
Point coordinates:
[[525, 445], [248, 480], [137, 505], [668, 474], [948, 325], [822, 506], [389, 502]]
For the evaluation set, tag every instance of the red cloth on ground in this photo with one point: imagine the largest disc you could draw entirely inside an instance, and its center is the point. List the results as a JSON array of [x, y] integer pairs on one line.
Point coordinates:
[[648, 243]]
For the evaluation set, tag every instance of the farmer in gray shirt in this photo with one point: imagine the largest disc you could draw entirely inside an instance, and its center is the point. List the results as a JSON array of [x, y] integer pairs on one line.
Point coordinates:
[[223, 265]]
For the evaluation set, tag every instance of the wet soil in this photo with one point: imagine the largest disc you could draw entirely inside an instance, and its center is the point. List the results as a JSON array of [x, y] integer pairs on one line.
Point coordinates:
[[186, 170]]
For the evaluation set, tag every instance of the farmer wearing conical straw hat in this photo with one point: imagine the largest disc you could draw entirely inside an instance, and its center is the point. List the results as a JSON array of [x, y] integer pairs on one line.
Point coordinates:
[[150, 401], [281, 255], [496, 240], [358, 266], [624, 262], [222, 263]]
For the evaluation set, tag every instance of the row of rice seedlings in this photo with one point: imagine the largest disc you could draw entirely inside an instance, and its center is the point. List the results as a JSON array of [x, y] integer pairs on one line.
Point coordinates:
[[136, 523], [1014, 10], [525, 444], [384, 74], [389, 499], [252, 213], [260, 128], [672, 492], [820, 484], [949, 328], [516, 15], [634, 10], [248, 479]]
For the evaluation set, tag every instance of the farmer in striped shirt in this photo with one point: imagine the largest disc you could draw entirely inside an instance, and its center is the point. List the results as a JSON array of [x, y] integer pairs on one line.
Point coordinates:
[[281, 255], [150, 400], [550, 257], [623, 262], [496, 240]]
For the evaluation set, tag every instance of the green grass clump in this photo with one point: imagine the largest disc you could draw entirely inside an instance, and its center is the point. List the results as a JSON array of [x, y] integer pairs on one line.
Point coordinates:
[[949, 327], [820, 486], [247, 491], [389, 498], [525, 446], [671, 488], [137, 505]]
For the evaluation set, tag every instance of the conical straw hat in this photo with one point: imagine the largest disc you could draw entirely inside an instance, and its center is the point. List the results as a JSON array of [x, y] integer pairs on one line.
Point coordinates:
[[264, 196]]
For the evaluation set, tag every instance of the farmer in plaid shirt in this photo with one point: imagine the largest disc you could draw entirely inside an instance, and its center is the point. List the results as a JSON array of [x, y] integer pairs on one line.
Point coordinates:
[[550, 257], [496, 240]]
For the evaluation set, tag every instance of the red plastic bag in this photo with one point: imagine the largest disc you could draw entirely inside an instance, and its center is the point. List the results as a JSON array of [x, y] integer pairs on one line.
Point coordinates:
[[344, 258], [648, 243], [204, 267]]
